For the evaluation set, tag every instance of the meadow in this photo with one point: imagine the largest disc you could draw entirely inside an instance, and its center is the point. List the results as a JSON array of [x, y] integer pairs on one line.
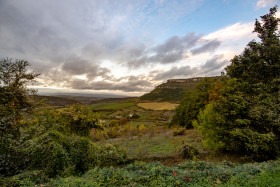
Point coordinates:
[[158, 106]]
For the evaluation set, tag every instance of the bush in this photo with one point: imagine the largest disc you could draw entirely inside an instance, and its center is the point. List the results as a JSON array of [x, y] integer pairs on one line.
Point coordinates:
[[29, 178], [179, 131], [142, 128], [78, 119], [188, 151], [59, 154]]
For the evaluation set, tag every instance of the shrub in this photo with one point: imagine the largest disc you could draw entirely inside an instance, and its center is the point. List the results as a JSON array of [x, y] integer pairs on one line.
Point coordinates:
[[188, 151], [112, 155], [179, 131], [59, 154], [112, 132], [113, 123], [142, 128], [78, 119], [123, 121]]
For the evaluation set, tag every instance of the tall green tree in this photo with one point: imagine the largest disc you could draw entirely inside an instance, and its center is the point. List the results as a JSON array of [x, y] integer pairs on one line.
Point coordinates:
[[14, 102], [260, 61], [245, 118], [193, 101]]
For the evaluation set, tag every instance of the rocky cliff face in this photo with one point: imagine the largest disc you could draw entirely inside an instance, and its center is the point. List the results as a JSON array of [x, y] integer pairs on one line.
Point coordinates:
[[180, 83], [195, 79]]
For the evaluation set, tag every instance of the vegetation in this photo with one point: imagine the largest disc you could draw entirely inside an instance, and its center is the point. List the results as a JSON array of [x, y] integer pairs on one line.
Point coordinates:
[[164, 94], [14, 102], [244, 118], [55, 141], [194, 100], [155, 174], [155, 143], [55, 101]]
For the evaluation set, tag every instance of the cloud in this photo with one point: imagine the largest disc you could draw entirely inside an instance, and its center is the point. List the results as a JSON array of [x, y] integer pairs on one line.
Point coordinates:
[[265, 3], [208, 47], [131, 84], [183, 71], [211, 67], [174, 49], [113, 45], [214, 65], [236, 31]]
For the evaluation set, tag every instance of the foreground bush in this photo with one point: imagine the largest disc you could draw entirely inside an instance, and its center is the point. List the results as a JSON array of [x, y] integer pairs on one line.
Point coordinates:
[[59, 154], [155, 174], [56, 142]]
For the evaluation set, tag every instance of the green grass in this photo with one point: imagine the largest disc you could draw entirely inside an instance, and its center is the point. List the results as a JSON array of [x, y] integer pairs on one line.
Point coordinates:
[[138, 123], [111, 106], [157, 143], [158, 106]]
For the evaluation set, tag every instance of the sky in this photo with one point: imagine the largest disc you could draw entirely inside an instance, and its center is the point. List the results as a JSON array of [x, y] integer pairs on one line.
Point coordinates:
[[125, 47]]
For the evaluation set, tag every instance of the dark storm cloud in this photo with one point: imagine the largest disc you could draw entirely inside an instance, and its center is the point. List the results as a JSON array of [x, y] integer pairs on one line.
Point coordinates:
[[208, 47]]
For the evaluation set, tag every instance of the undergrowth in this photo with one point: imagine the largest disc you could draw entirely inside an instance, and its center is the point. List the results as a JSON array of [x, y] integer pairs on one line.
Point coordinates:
[[155, 174]]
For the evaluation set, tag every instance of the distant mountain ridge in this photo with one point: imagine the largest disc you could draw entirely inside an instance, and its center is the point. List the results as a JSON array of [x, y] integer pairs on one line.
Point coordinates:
[[173, 90]]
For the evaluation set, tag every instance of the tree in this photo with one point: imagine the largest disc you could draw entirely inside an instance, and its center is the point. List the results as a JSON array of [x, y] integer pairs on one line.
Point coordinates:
[[14, 95], [14, 101], [245, 117], [194, 101], [260, 61]]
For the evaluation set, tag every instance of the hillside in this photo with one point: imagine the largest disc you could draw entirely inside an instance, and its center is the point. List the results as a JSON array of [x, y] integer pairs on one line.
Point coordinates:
[[55, 101], [173, 90]]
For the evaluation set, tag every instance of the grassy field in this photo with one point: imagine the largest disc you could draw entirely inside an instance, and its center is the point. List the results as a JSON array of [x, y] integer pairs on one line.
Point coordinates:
[[158, 106], [156, 142], [112, 106]]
